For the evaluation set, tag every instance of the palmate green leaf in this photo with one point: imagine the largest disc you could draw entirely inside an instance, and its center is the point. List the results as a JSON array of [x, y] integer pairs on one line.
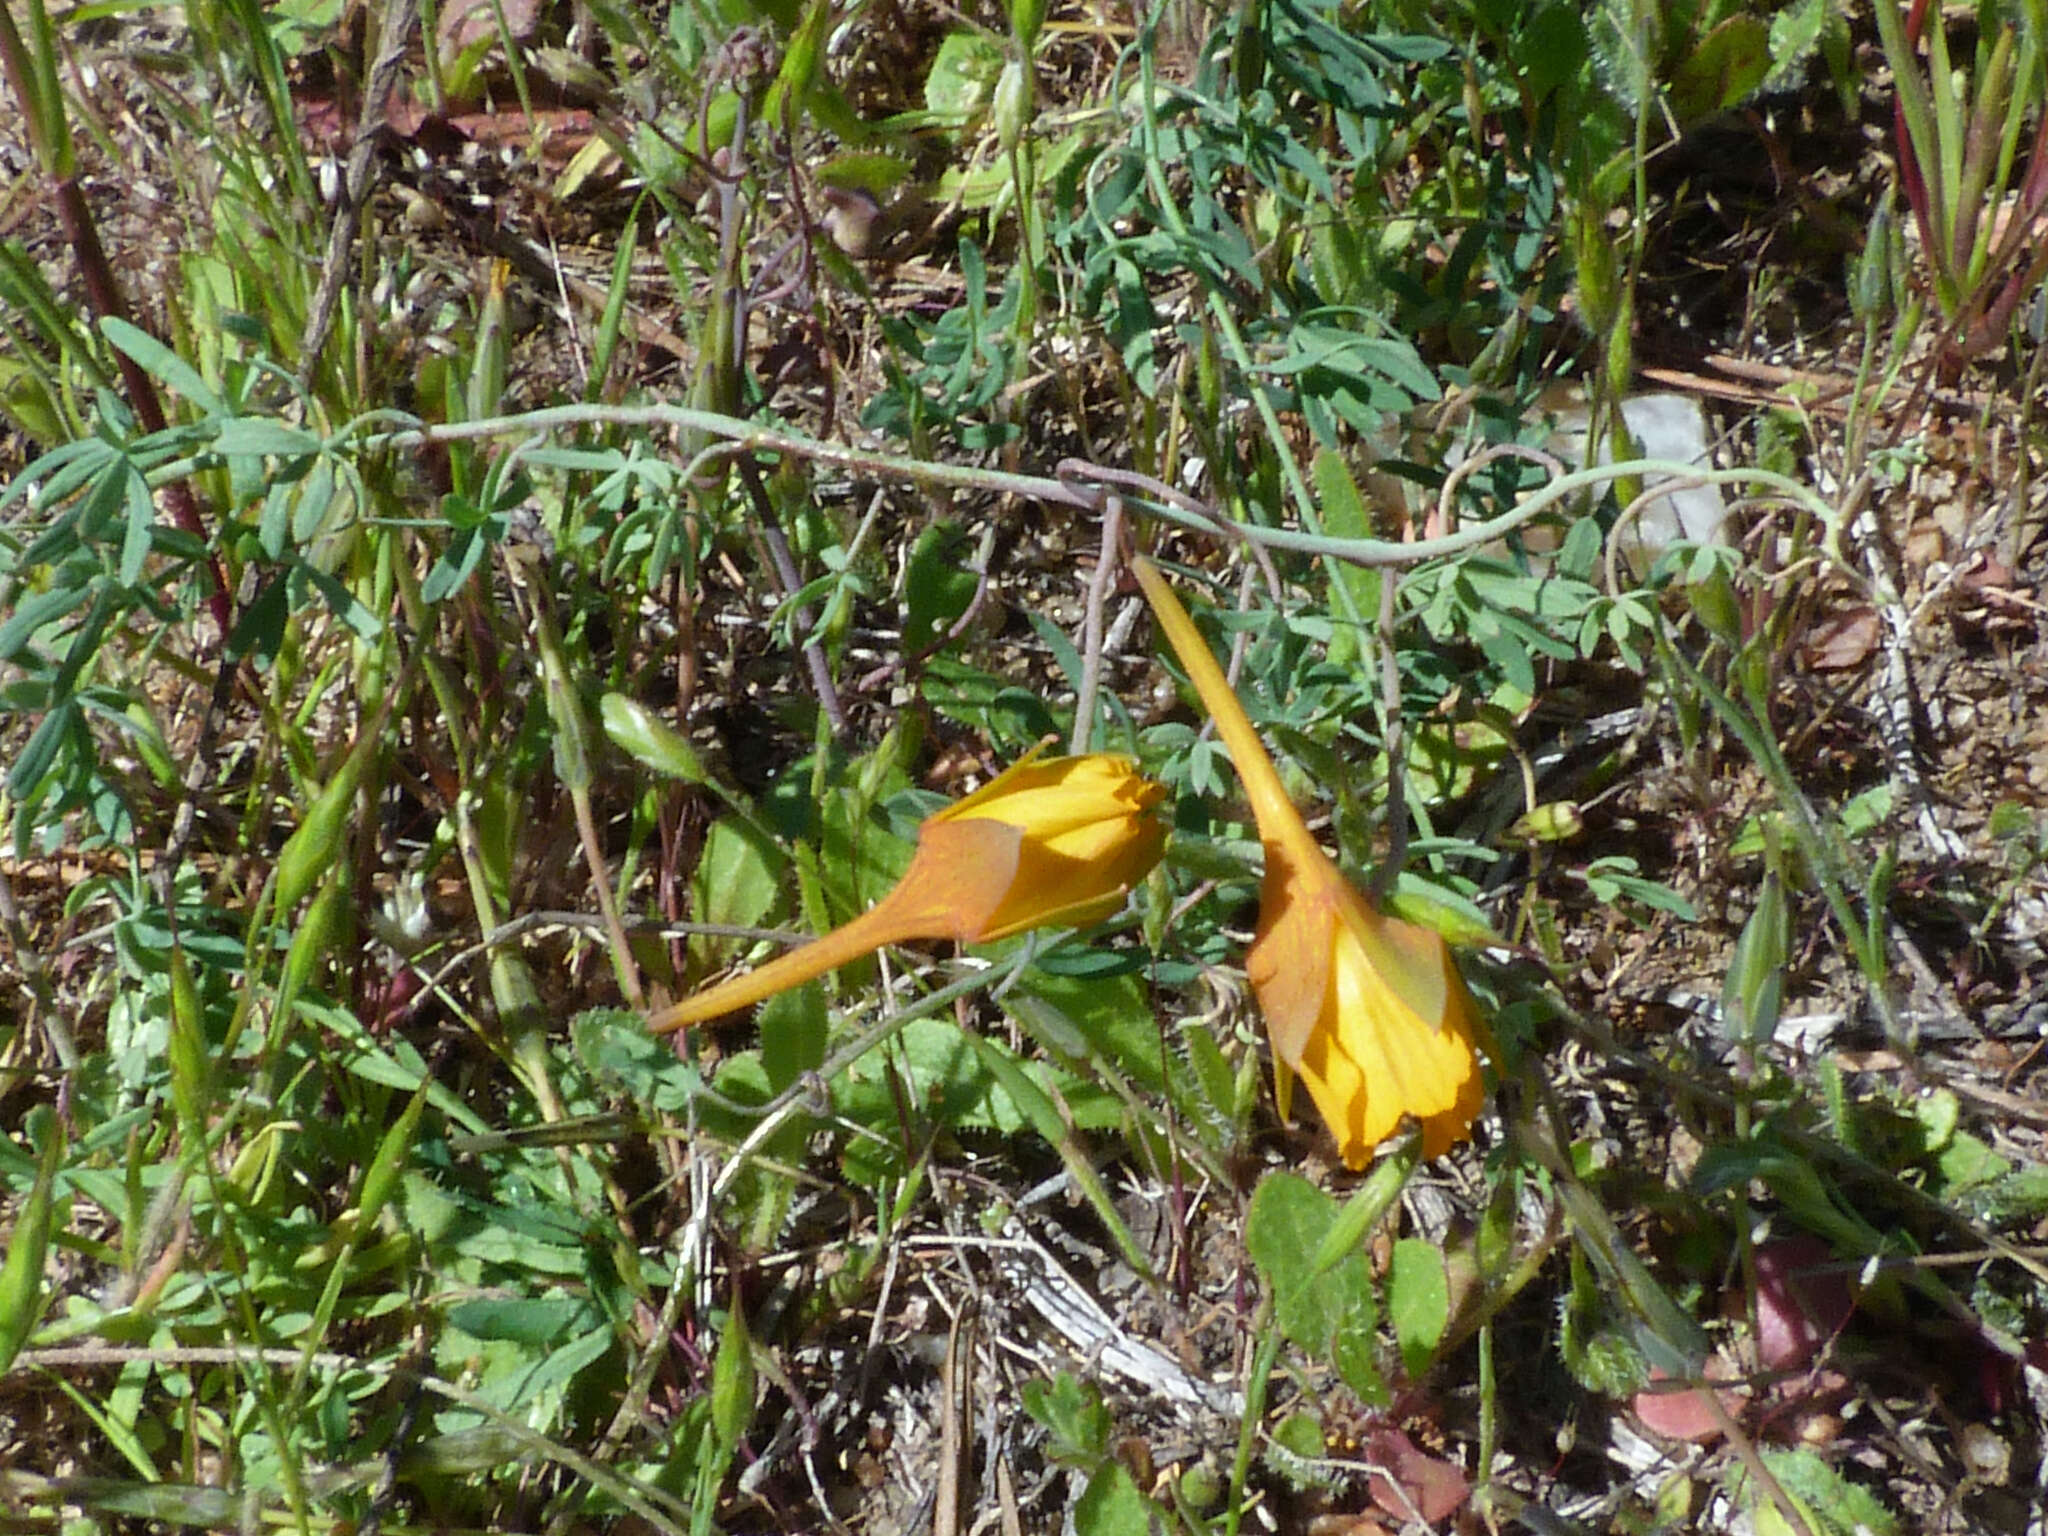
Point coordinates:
[[1796, 35], [1074, 1414], [58, 473], [85, 640], [1724, 68], [1831, 1504], [457, 564], [1330, 1315], [82, 523], [32, 613], [615, 1049], [260, 627], [1315, 343], [1111, 1505], [344, 603], [937, 586], [738, 881]]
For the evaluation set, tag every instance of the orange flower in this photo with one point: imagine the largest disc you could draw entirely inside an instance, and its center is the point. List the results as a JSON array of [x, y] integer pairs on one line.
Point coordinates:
[[1369, 1011], [1059, 840]]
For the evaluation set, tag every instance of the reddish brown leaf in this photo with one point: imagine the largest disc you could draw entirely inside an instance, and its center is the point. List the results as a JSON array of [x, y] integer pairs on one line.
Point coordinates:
[[1408, 1481], [470, 21], [1685, 1413], [1842, 640], [1801, 1302]]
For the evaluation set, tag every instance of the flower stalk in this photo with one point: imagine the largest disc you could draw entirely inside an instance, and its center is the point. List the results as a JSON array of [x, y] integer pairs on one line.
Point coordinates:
[[1369, 1011]]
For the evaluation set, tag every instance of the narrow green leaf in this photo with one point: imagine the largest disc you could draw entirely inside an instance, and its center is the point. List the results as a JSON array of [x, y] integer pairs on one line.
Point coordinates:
[[732, 1381], [316, 497], [190, 1064], [650, 740], [606, 343], [1755, 989], [35, 611], [566, 713], [21, 1275], [257, 436], [1418, 1301], [380, 1179], [1030, 1100], [1362, 1212], [162, 364], [141, 524]]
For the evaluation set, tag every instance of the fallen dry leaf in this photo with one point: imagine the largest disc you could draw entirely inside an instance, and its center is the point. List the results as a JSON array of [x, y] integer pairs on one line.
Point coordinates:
[[1842, 640], [1407, 1481], [1686, 1413], [1801, 1301], [471, 21]]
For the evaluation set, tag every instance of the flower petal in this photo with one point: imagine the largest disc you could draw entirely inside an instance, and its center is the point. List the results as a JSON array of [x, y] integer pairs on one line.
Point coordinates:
[[1289, 962], [1053, 798], [1085, 835], [1056, 885], [961, 877], [1376, 1060]]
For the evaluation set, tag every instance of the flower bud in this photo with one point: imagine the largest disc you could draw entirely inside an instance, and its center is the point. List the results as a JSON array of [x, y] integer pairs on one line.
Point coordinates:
[[1026, 18], [1012, 105]]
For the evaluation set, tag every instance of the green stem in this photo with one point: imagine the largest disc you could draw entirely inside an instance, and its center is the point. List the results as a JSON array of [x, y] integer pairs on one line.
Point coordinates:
[[1076, 491], [1254, 1412]]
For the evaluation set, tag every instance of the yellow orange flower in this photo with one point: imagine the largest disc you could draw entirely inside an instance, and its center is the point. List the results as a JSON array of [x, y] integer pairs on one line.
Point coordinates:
[[1049, 840], [1367, 1010]]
